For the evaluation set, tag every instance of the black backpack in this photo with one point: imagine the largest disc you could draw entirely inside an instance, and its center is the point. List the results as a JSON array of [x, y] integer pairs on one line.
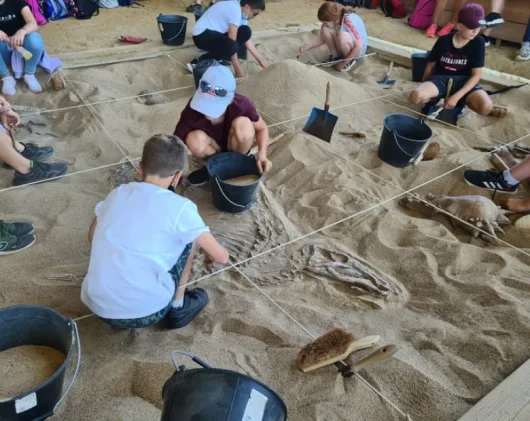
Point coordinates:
[[82, 9]]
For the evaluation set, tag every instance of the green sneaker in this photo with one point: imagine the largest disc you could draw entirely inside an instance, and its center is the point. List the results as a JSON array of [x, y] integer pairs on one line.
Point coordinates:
[[18, 229], [10, 244]]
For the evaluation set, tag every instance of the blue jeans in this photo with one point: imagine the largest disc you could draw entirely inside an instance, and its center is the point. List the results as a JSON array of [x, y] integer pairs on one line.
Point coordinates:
[[176, 274], [34, 44], [526, 37]]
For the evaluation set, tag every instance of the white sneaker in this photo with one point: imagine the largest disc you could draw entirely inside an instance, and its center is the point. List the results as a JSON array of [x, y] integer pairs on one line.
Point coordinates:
[[33, 84], [9, 86], [524, 53], [348, 67]]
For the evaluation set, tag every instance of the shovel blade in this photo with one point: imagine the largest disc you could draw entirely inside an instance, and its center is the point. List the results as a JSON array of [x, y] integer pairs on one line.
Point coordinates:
[[321, 124]]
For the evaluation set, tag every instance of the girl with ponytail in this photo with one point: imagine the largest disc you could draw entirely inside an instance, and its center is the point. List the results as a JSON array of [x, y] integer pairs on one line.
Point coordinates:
[[343, 32]]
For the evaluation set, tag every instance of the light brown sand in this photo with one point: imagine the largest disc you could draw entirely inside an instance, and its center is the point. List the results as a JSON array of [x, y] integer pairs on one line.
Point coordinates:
[[24, 367], [456, 307], [243, 180]]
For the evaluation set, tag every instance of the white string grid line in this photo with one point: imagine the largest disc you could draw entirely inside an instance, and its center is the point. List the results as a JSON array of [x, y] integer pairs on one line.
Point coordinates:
[[330, 225]]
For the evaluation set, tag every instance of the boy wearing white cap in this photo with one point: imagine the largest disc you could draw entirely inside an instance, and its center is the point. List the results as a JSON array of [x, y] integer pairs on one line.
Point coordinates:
[[217, 119]]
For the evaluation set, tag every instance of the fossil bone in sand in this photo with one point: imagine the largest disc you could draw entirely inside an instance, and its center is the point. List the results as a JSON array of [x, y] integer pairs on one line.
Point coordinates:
[[478, 211]]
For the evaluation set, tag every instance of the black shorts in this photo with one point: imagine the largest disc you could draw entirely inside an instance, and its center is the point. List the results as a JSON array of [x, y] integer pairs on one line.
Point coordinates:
[[441, 83]]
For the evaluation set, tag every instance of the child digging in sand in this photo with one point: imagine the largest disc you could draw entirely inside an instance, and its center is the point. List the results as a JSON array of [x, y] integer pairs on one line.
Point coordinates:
[[458, 56], [343, 32], [143, 241]]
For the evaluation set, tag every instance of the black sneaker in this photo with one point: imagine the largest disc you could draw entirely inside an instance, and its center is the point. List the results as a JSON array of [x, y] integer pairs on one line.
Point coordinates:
[[193, 7], [194, 301], [199, 177], [487, 40], [493, 19], [18, 229], [34, 152], [331, 60], [40, 172], [489, 180], [11, 244]]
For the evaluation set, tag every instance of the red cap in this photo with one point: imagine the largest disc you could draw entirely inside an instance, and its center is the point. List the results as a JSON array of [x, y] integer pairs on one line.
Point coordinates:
[[472, 16]]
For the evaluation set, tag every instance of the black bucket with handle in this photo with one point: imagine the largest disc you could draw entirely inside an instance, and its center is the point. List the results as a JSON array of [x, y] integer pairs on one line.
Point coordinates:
[[212, 394], [37, 325], [172, 29], [228, 196], [403, 139]]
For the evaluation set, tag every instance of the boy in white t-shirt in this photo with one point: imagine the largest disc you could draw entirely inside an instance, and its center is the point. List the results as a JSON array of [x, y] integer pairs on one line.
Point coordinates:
[[143, 241], [222, 32]]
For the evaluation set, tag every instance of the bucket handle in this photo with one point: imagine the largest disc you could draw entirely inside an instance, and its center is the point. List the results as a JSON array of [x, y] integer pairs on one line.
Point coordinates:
[[78, 364], [172, 38], [399, 146], [193, 357], [224, 195]]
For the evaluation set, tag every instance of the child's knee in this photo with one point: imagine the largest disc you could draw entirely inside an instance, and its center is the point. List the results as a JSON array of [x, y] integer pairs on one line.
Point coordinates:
[[243, 129], [33, 42], [196, 141], [416, 97], [485, 106]]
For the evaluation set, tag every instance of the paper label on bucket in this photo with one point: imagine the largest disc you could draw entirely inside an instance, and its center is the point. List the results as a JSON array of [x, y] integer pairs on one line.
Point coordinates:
[[255, 407], [26, 403]]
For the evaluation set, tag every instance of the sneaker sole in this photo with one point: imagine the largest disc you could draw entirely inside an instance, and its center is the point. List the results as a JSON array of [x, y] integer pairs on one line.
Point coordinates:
[[495, 22], [6, 253], [54, 178], [487, 188]]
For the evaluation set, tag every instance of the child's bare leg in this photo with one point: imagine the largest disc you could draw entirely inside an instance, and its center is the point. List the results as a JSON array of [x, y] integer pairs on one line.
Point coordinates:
[[456, 9], [179, 293], [10, 156], [521, 171], [345, 44], [496, 7], [480, 102], [241, 136], [438, 10], [423, 93], [329, 36], [201, 145]]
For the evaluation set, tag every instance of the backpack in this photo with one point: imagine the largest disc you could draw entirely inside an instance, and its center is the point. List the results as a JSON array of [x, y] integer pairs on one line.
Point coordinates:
[[82, 9], [393, 8], [421, 17], [56, 9], [35, 9]]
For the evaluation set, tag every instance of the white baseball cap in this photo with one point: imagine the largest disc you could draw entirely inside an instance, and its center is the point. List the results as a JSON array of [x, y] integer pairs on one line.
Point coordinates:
[[215, 92]]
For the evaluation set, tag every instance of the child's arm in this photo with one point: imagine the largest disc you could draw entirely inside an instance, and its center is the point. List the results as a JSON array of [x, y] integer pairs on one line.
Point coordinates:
[[262, 140], [92, 229], [473, 81], [232, 34], [252, 48], [317, 42], [216, 251], [428, 70]]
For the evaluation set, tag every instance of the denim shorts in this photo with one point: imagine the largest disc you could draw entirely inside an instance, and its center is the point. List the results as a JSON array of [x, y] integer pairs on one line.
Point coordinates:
[[441, 82], [176, 274]]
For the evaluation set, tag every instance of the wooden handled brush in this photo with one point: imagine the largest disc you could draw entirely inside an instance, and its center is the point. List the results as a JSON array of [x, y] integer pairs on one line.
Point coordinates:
[[25, 53], [330, 348], [380, 355]]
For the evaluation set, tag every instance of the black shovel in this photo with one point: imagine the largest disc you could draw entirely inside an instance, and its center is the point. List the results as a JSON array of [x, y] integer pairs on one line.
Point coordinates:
[[443, 114], [321, 122]]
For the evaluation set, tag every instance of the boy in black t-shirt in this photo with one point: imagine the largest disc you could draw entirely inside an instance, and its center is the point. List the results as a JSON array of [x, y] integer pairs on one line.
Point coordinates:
[[458, 56]]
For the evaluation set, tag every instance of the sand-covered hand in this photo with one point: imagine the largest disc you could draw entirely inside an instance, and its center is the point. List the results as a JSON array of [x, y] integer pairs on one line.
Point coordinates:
[[263, 163]]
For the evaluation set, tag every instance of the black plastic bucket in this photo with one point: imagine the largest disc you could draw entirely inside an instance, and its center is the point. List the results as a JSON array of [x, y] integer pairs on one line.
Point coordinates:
[[403, 139], [419, 63], [227, 197], [201, 67], [211, 394], [172, 29], [36, 325]]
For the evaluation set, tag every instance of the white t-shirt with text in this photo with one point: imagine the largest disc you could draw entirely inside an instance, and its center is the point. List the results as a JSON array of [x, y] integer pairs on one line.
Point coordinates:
[[219, 17], [141, 231]]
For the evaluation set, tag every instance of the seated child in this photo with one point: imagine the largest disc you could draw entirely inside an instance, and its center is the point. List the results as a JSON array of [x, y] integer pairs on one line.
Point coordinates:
[[218, 120], [458, 56], [143, 241], [343, 32], [223, 32]]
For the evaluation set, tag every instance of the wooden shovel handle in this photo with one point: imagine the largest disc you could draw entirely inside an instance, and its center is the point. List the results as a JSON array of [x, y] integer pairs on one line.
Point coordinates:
[[389, 69], [449, 89], [328, 96], [380, 355]]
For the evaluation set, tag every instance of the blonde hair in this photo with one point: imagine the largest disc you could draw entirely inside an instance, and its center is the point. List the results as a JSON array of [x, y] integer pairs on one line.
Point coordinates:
[[332, 12]]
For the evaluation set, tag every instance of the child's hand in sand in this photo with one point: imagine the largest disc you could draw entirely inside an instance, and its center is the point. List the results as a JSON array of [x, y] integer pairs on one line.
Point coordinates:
[[4, 105], [263, 163], [10, 119], [305, 47]]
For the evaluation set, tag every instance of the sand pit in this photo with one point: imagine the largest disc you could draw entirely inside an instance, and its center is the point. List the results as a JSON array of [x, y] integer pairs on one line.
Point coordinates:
[[25, 367], [327, 241]]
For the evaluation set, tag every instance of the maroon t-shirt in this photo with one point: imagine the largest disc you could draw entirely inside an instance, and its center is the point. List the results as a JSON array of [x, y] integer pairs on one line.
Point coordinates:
[[191, 120]]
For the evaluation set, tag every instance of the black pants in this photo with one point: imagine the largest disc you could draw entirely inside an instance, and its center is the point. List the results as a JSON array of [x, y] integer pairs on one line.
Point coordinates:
[[220, 47]]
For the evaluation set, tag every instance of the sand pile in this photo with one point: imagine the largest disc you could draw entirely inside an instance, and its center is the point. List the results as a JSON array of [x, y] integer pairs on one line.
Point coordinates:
[[24, 367], [289, 89]]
